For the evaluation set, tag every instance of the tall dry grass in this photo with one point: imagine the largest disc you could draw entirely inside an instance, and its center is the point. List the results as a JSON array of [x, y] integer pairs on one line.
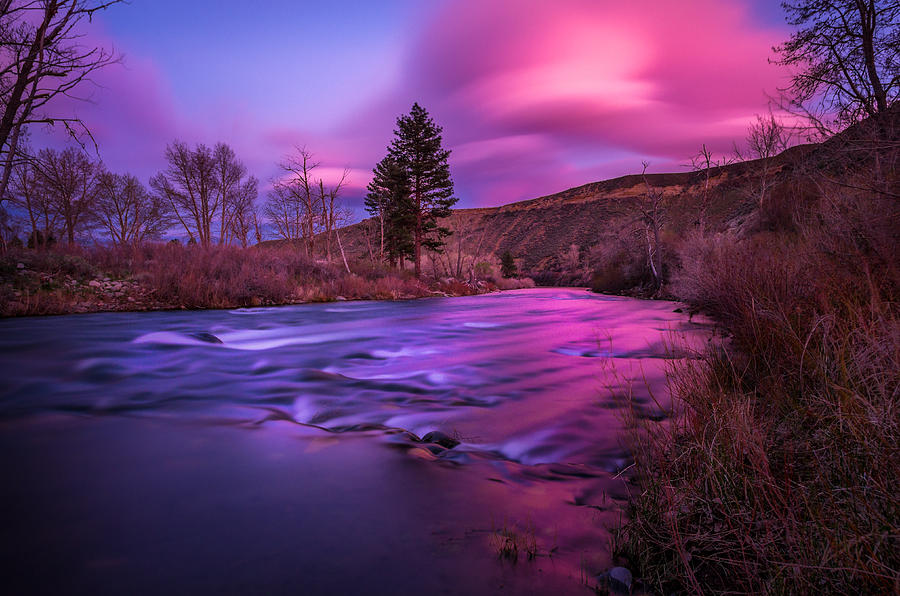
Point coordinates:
[[779, 471], [59, 280]]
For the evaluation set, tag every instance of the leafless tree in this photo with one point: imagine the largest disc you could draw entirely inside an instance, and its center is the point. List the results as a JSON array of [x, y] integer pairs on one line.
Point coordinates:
[[332, 210], [284, 211], [42, 57], [297, 188], [230, 173], [189, 185], [341, 217], [705, 162], [256, 222], [128, 213], [70, 179], [242, 212], [646, 215], [766, 138], [29, 193], [846, 60], [466, 248]]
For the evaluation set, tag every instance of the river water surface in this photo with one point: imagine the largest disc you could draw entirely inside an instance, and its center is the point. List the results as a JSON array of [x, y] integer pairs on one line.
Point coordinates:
[[292, 449]]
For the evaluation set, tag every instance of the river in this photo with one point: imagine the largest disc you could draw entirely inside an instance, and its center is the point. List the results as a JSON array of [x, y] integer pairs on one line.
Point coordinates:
[[281, 450]]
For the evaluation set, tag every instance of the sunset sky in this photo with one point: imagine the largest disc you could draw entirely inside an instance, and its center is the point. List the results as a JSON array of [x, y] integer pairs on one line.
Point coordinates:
[[534, 96]]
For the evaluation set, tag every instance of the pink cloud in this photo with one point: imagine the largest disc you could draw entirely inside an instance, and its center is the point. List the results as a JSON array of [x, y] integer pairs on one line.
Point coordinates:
[[654, 78], [533, 96]]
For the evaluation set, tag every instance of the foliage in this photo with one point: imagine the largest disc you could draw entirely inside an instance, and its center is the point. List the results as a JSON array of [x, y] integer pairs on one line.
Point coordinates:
[[390, 201], [417, 149], [508, 265]]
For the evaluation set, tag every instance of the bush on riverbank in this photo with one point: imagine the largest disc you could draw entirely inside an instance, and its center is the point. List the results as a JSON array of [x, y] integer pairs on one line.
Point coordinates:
[[778, 470], [159, 276]]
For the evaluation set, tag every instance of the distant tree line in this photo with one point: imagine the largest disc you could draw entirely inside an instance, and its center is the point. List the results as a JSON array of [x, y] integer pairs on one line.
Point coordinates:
[[65, 195]]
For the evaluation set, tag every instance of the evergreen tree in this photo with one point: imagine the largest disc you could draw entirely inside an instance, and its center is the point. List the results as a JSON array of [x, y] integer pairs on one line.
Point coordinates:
[[389, 202], [417, 149], [508, 265]]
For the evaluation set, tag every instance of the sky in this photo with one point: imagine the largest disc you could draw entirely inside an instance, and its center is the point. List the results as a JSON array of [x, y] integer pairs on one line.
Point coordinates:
[[534, 96]]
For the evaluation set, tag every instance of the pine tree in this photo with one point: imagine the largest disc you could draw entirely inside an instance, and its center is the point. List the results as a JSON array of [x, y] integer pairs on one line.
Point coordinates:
[[508, 265], [389, 202], [417, 149]]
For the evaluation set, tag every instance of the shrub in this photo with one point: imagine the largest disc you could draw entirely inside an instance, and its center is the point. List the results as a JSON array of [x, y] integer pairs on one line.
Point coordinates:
[[508, 265], [777, 472]]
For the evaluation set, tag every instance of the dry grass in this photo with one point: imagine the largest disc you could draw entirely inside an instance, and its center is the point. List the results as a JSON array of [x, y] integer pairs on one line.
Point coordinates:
[[66, 279], [511, 540], [779, 469]]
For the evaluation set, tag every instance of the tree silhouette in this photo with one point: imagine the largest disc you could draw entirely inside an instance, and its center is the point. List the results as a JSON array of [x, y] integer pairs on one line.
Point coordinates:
[[417, 149], [846, 56]]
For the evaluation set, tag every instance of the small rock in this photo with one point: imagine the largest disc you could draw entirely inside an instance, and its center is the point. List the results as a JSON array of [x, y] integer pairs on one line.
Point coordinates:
[[207, 337], [20, 265], [619, 579], [678, 310], [340, 299], [442, 439]]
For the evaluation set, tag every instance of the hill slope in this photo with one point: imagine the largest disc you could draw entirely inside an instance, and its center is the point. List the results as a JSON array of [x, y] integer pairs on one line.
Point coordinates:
[[538, 231]]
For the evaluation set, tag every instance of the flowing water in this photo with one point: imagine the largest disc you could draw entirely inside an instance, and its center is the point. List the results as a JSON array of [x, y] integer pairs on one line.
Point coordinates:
[[292, 449]]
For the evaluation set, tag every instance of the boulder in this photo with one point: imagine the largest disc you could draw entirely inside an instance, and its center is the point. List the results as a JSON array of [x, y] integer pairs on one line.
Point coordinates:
[[439, 438], [619, 579]]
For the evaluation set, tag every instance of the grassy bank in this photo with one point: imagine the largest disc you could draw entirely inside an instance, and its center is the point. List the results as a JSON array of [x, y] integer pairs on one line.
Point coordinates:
[[169, 276], [778, 470]]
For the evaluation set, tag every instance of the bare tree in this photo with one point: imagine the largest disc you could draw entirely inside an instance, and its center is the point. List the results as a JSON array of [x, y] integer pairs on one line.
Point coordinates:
[[229, 174], [766, 138], [256, 222], [705, 162], [242, 212], [646, 216], [465, 248], [41, 58], [70, 178], [341, 217], [128, 213], [284, 211], [298, 188], [190, 187], [846, 59], [331, 209], [29, 193]]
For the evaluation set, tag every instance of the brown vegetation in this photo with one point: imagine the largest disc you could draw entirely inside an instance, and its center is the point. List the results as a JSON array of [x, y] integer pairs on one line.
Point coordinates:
[[168, 276], [777, 472]]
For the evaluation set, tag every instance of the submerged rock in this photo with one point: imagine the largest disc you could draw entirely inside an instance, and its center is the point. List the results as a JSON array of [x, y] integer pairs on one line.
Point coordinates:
[[442, 439], [619, 580], [207, 337]]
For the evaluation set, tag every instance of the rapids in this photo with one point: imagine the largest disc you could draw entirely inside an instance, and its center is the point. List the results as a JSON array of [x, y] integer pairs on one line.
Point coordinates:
[[350, 447]]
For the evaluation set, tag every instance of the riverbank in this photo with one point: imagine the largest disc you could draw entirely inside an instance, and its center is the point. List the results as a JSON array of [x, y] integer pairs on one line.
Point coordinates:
[[67, 280], [777, 471]]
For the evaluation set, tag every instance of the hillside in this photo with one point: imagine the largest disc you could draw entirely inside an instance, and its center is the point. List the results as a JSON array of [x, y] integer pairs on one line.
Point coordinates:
[[538, 231]]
